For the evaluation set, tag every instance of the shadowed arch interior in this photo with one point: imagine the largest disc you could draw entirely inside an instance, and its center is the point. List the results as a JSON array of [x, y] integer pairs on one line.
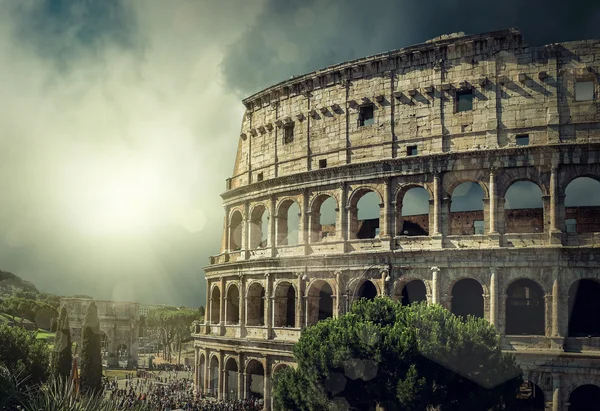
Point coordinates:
[[414, 291], [255, 305], [214, 375], [466, 210], [582, 206], [367, 290], [523, 208], [235, 231], [255, 379], [215, 306], [284, 305], [231, 386], [467, 298], [525, 309], [413, 219], [233, 305], [583, 397], [320, 302], [530, 397], [584, 309], [202, 365]]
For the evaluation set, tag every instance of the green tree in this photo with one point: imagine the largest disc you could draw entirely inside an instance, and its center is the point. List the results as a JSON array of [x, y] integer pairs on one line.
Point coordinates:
[[62, 356], [414, 357], [22, 353], [172, 326], [91, 360], [39, 312]]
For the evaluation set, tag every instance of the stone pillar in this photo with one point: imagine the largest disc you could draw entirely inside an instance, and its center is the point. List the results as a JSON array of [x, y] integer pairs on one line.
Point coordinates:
[[245, 393], [351, 222], [220, 374], [267, 386], [196, 370], [272, 239], [246, 228], [436, 203], [385, 212], [303, 238], [240, 378], [268, 304], [205, 383], [225, 384], [556, 406], [384, 274], [210, 306], [435, 285], [242, 307], [338, 293], [300, 322], [222, 317], [342, 215], [553, 200], [494, 298], [493, 202], [555, 308]]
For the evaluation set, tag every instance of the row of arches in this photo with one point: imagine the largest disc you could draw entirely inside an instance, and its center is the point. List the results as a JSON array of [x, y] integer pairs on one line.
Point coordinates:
[[522, 205], [531, 398], [525, 304]]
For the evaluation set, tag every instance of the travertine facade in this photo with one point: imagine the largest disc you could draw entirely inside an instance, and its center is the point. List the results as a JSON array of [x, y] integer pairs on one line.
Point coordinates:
[[485, 109], [119, 325]]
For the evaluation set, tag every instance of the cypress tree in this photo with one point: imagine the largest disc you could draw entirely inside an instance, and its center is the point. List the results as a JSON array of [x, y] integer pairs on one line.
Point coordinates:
[[91, 360], [62, 356]]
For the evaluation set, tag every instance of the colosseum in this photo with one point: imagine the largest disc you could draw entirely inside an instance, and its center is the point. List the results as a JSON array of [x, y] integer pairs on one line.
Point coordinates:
[[464, 171]]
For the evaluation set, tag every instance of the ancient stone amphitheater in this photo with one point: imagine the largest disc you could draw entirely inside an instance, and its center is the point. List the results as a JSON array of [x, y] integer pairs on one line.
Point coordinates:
[[462, 171]]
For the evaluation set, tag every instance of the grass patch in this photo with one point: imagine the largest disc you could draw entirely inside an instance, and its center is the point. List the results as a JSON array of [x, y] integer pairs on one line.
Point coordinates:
[[120, 374], [45, 335]]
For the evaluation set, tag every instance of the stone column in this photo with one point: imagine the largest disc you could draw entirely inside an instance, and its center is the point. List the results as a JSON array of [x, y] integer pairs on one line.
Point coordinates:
[[299, 298], [245, 392], [436, 203], [196, 364], [272, 239], [246, 229], [351, 223], [386, 207], [242, 307], [268, 304], [267, 386], [222, 317], [220, 374], [435, 285], [555, 308], [210, 305], [493, 201], [342, 213], [384, 274], [338, 293], [224, 384], [556, 406], [240, 378], [553, 200], [303, 238], [494, 298], [206, 371]]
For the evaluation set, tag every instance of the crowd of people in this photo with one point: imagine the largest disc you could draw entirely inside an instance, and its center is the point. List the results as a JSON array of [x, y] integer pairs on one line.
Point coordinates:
[[168, 392]]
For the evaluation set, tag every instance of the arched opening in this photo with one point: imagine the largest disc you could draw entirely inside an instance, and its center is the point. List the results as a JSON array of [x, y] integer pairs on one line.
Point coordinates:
[[320, 302], [530, 397], [213, 383], [285, 305], [255, 379], [235, 231], [202, 365], [215, 306], [104, 347], [467, 298], [582, 206], [288, 223], [279, 367], [255, 305], [365, 215], [323, 215], [584, 309], [233, 305], [123, 352], [413, 219], [413, 292], [584, 398], [523, 208], [466, 210], [259, 227], [525, 309], [367, 290], [231, 385]]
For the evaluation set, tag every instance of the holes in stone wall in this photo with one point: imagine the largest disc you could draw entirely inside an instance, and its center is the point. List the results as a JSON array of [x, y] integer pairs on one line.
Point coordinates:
[[582, 206], [466, 208], [366, 115], [215, 306], [523, 212], [584, 90], [213, 382], [525, 309], [259, 227], [320, 302], [255, 305], [584, 309], [365, 217], [235, 231], [233, 305], [255, 380], [367, 290], [414, 217], [530, 397], [288, 223], [413, 292], [231, 388], [584, 398], [284, 305], [467, 298], [464, 100], [323, 218]]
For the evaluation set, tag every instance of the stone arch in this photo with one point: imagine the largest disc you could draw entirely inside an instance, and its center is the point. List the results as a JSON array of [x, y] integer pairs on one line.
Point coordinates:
[[367, 226], [230, 389], [284, 305], [288, 222], [255, 304], [213, 380], [202, 366], [467, 215], [235, 230], [259, 226], [323, 207], [232, 301], [412, 217], [279, 366], [583, 396], [530, 397], [453, 179], [467, 298], [255, 374], [354, 285], [508, 176], [320, 300], [582, 205], [523, 207], [584, 308], [411, 290], [367, 289], [215, 305], [525, 308]]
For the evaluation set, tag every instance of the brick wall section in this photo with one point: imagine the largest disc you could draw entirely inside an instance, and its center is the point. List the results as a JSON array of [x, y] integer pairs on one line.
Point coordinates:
[[461, 222], [529, 220], [587, 218]]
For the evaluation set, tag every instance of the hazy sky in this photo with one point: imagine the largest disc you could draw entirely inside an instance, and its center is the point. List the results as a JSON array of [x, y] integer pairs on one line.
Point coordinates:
[[120, 119]]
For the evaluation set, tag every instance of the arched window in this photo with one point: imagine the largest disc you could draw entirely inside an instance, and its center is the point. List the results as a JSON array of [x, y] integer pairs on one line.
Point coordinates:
[[414, 216], [414, 291], [523, 209], [320, 302], [233, 305], [367, 290], [466, 210], [530, 397], [288, 223], [231, 386], [235, 231], [582, 206], [365, 215], [215, 306], [259, 227], [202, 365], [584, 398], [284, 305], [323, 216], [255, 305], [255, 379], [213, 383], [525, 309], [584, 309], [467, 298]]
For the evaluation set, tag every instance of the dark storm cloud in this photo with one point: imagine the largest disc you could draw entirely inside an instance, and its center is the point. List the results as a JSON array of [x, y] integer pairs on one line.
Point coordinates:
[[292, 37]]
